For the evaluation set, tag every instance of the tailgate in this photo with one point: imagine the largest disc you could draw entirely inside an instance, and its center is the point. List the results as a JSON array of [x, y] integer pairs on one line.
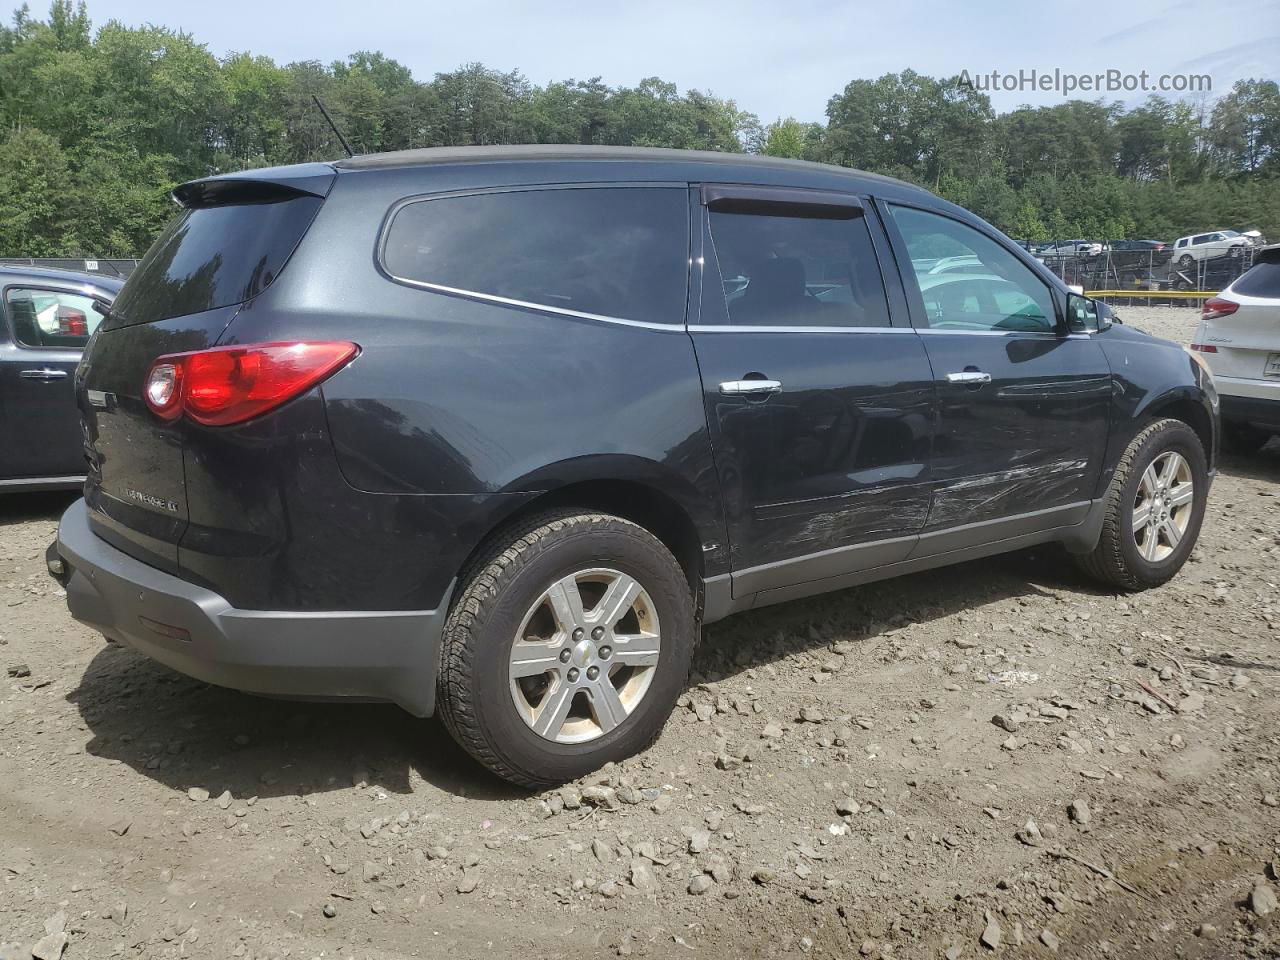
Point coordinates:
[[135, 489], [231, 240]]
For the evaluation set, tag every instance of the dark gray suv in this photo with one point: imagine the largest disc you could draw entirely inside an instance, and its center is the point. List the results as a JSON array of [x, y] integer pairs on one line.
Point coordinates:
[[495, 430]]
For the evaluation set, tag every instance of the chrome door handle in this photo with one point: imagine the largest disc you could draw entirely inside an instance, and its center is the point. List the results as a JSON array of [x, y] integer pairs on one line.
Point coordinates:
[[45, 374], [969, 376], [750, 388]]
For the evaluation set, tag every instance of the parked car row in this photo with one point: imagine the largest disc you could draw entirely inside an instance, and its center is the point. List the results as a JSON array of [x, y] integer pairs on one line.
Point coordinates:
[[1183, 253]]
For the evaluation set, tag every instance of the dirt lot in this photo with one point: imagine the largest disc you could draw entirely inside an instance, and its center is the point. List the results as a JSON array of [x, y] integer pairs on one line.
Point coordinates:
[[833, 784]]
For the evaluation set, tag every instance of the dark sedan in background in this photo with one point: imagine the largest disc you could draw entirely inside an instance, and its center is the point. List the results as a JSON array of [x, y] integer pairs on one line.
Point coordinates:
[[48, 317]]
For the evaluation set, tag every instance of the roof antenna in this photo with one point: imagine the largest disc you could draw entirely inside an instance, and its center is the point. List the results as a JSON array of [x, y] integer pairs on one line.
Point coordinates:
[[338, 133]]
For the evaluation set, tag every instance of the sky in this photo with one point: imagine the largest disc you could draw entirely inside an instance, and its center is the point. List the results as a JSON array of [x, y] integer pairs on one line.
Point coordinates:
[[773, 65]]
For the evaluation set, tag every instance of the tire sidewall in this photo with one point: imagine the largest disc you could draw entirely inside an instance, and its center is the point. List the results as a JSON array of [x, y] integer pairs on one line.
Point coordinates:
[[1179, 437], [609, 543]]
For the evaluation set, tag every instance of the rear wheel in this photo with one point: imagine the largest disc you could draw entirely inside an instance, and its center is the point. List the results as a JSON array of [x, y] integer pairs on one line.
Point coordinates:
[[1154, 508], [1243, 438], [567, 648]]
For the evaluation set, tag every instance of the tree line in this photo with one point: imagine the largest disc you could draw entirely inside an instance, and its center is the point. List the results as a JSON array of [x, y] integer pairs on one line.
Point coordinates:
[[97, 125]]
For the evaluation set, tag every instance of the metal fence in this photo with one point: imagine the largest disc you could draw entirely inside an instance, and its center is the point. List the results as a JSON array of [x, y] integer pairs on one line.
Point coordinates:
[[116, 267], [1151, 276]]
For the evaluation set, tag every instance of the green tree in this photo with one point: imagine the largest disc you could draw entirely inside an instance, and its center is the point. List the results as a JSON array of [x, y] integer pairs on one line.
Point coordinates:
[[36, 210], [786, 138]]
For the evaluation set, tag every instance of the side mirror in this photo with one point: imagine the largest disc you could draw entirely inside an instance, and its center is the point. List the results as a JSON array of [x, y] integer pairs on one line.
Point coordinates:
[[1085, 315]]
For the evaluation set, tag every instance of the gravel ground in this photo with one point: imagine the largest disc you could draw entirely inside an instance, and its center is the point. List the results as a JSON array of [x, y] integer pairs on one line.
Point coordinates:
[[997, 759]]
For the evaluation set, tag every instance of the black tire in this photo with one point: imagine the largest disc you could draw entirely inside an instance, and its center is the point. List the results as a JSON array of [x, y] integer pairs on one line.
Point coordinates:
[[1116, 560], [474, 690], [1243, 438], [1186, 261]]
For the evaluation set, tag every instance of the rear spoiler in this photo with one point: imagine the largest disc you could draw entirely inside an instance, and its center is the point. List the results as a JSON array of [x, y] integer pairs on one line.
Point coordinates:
[[257, 186]]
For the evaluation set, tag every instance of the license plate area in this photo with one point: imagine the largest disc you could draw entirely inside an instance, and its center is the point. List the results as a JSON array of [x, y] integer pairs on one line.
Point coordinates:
[[1272, 370]]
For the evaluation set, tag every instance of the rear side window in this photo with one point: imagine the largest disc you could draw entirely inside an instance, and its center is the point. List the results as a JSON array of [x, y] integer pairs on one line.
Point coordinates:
[[214, 256], [50, 318], [1260, 280], [605, 251]]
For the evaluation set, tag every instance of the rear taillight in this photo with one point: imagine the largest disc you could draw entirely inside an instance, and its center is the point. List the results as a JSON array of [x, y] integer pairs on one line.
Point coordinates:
[[1216, 307], [228, 385], [1204, 348]]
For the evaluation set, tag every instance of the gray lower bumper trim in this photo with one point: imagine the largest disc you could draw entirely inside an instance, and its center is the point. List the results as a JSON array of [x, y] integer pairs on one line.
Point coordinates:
[[379, 655]]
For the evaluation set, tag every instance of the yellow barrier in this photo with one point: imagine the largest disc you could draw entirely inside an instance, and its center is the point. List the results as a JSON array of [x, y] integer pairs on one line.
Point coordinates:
[[1143, 294]]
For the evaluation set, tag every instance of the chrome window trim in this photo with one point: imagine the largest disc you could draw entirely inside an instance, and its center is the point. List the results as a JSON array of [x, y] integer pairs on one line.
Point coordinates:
[[540, 307], [750, 328], [952, 332], [922, 331]]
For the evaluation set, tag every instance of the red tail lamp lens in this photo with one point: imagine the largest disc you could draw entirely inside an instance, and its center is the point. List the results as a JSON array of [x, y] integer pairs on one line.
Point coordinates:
[[1216, 307], [229, 385]]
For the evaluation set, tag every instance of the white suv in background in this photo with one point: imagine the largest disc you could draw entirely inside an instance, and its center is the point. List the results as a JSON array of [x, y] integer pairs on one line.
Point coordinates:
[[1202, 246], [1239, 337]]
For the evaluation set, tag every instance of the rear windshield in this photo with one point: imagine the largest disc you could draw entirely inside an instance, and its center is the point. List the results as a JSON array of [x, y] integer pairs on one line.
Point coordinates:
[[1261, 280], [214, 256]]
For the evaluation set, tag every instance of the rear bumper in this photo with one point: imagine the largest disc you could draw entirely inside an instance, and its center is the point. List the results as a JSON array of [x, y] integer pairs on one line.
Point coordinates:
[[35, 484], [1262, 410], [365, 655]]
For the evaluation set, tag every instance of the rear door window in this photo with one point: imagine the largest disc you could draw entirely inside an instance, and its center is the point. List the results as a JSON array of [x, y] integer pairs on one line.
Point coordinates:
[[50, 318], [797, 268], [612, 252], [215, 256]]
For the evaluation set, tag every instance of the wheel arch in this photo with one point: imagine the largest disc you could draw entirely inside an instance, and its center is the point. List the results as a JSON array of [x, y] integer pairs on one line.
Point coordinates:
[[642, 491], [1189, 407]]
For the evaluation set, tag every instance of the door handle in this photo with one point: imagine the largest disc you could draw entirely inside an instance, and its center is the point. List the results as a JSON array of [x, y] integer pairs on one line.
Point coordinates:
[[45, 374], [969, 376], [750, 388]]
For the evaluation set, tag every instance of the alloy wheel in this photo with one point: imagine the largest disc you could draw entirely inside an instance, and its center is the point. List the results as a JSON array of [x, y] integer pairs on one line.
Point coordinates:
[[1163, 506], [585, 655]]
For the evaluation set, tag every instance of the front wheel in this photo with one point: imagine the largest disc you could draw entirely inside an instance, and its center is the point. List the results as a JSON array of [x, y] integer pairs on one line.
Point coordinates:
[[1154, 507], [567, 648]]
